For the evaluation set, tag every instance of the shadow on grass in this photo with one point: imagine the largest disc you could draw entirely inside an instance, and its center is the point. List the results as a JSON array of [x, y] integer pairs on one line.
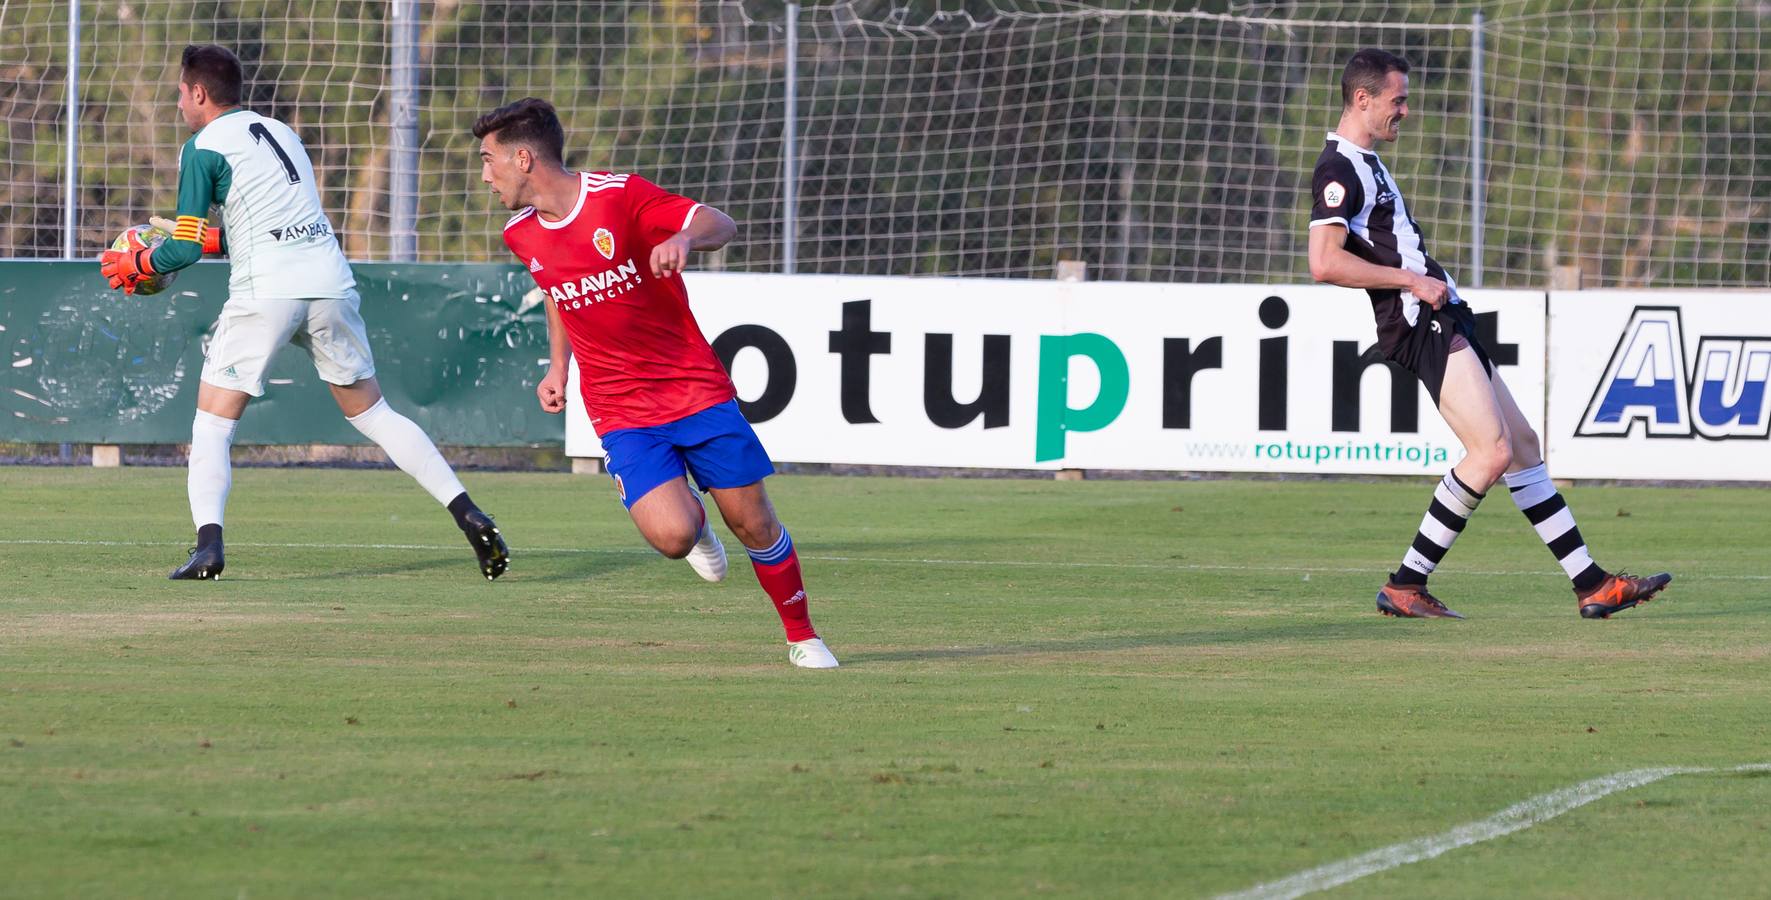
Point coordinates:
[[461, 565], [1295, 631]]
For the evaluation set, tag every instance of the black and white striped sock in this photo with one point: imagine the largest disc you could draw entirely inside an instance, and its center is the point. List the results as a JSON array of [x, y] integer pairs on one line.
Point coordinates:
[[1453, 502], [1543, 506]]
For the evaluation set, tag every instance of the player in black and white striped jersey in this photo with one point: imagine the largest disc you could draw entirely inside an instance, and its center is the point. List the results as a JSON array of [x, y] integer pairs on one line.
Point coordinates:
[[1362, 236]]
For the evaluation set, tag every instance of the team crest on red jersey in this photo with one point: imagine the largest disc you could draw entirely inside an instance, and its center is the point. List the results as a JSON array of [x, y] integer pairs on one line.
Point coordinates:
[[605, 243]]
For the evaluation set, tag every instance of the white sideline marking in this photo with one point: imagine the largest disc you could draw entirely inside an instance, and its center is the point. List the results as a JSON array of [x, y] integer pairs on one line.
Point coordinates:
[[1022, 563], [1517, 817]]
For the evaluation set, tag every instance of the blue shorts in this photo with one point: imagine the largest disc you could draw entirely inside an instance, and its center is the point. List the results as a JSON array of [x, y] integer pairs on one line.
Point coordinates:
[[715, 445]]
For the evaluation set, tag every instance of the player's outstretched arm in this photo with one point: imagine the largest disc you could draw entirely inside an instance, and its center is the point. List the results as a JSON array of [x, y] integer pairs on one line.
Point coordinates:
[[708, 229], [1330, 263]]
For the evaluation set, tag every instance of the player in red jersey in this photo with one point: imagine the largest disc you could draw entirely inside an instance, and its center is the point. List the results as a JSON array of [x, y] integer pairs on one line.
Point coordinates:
[[608, 250]]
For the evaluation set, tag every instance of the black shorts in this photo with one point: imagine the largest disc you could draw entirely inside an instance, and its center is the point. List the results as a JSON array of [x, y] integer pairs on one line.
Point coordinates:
[[1425, 347]]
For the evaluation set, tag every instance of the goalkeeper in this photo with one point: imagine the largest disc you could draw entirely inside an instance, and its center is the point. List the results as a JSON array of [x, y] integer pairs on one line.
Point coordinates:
[[288, 284]]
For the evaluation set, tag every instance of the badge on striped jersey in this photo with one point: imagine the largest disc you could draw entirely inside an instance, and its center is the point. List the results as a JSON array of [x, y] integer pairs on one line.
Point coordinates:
[[1333, 195]]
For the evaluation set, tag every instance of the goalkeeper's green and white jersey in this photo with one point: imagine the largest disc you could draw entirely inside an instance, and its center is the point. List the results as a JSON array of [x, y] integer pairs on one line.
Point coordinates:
[[279, 242]]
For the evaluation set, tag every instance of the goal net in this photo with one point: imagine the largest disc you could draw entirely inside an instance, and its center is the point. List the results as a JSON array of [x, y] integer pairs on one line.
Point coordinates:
[[961, 137]]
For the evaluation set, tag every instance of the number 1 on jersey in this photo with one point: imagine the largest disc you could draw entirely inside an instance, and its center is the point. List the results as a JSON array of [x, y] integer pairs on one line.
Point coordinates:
[[263, 135]]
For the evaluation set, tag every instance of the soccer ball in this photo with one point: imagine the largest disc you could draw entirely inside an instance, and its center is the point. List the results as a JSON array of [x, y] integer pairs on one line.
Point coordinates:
[[138, 237]]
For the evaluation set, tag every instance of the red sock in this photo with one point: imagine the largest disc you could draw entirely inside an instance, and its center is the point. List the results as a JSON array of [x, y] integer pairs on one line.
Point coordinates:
[[782, 582]]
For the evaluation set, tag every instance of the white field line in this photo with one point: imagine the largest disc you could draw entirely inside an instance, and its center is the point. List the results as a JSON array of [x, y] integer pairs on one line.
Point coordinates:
[[1517, 817], [1013, 563]]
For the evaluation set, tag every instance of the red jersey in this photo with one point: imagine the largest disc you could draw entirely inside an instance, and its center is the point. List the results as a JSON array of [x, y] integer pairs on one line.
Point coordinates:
[[641, 358]]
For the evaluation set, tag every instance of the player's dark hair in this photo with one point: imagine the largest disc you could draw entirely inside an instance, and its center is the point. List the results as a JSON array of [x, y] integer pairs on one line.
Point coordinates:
[[531, 122], [217, 69], [1367, 69]]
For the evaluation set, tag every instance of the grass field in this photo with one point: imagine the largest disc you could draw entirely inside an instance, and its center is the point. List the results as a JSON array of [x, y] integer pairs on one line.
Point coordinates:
[[1101, 689]]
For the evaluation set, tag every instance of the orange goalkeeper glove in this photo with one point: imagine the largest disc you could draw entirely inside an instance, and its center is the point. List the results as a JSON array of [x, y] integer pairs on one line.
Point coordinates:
[[126, 268], [209, 235]]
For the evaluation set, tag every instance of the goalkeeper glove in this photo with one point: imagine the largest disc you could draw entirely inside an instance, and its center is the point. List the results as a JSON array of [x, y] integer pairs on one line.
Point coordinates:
[[126, 268], [209, 235]]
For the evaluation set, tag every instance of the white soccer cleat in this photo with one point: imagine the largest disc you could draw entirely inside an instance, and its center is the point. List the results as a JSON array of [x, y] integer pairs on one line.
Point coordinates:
[[811, 654], [708, 558]]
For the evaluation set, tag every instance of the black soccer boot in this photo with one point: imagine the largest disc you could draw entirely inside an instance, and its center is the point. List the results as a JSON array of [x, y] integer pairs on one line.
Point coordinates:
[[488, 543], [206, 560], [482, 533]]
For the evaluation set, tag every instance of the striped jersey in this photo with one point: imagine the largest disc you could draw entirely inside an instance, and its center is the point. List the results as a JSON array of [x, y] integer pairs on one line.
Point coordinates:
[[1352, 188], [642, 360], [279, 243]]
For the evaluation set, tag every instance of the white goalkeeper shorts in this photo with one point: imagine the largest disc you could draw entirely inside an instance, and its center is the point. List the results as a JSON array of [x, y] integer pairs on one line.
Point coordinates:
[[250, 332]]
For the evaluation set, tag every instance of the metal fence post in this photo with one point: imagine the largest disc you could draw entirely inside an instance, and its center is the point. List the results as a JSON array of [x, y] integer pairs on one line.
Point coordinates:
[[71, 192], [1072, 271], [1477, 194], [789, 148], [403, 133]]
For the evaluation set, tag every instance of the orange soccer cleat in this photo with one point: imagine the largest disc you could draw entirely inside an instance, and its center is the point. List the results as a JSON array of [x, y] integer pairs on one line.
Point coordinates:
[[1619, 592], [1411, 601]]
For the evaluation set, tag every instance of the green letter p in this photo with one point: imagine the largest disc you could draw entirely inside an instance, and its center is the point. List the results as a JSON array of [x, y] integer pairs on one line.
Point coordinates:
[[1056, 417]]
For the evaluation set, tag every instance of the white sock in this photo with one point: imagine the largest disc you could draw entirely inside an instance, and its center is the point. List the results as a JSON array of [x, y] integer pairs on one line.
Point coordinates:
[[410, 449], [211, 471]]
